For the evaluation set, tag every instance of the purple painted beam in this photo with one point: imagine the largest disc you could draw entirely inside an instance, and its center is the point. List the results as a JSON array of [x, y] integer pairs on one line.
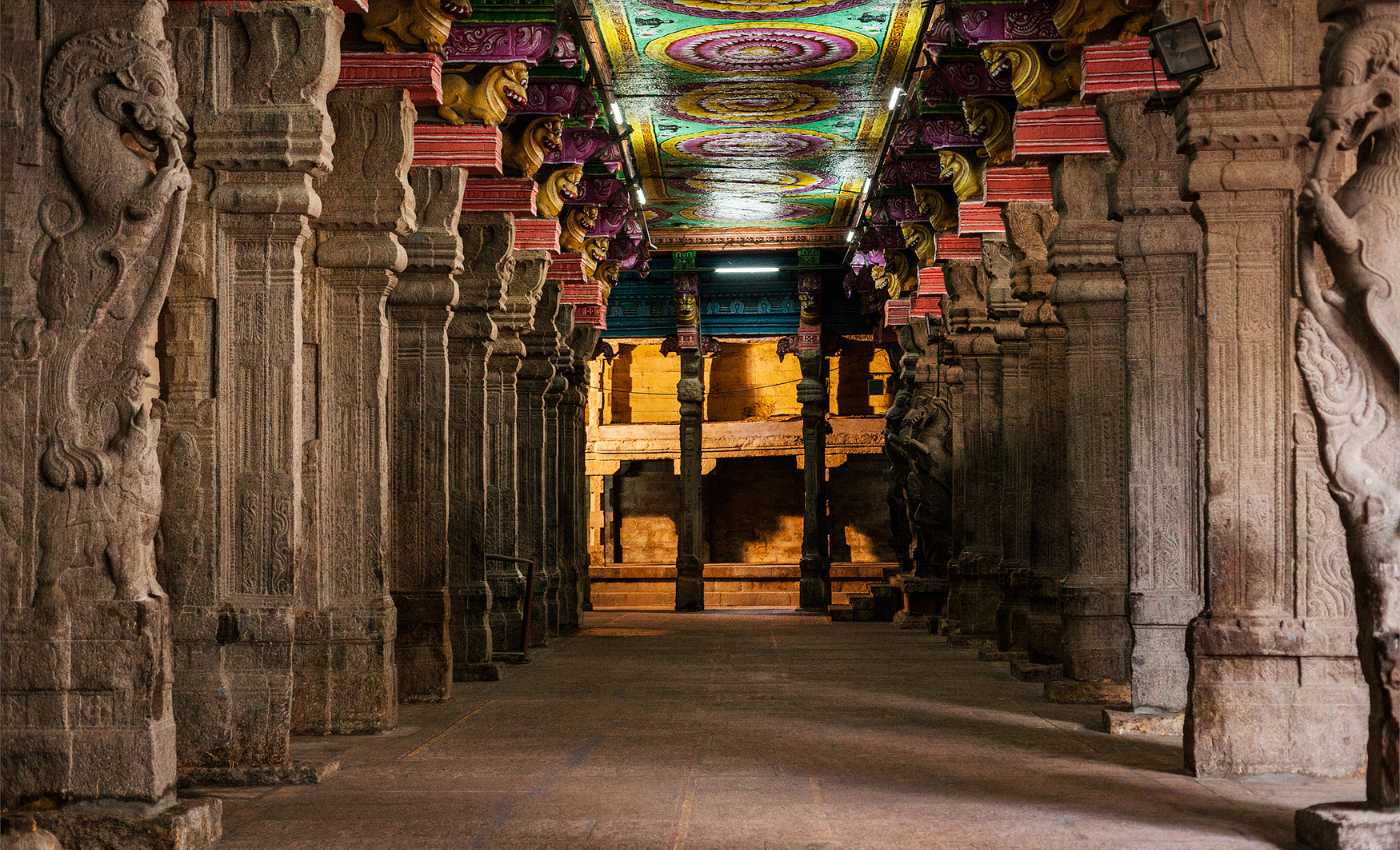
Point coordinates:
[[471, 42], [933, 131]]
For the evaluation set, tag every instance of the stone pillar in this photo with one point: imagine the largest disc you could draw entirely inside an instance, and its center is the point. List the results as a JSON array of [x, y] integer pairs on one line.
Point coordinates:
[[232, 360], [1088, 296], [558, 550], [975, 573], [578, 485], [420, 308], [1275, 686], [690, 392], [92, 230], [1159, 245], [1028, 226], [507, 578], [487, 240], [346, 677], [814, 590], [532, 446]]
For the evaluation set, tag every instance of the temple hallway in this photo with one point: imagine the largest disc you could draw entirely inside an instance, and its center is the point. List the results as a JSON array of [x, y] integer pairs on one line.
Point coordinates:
[[744, 729]]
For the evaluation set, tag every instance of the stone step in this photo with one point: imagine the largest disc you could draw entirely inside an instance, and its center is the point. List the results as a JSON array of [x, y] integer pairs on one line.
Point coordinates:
[[840, 613]]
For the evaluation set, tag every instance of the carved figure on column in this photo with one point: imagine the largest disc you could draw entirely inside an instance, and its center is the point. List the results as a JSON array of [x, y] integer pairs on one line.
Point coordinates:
[[1349, 353], [988, 118]]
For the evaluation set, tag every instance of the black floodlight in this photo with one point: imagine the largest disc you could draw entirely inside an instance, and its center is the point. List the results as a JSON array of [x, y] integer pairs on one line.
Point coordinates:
[[1183, 47]]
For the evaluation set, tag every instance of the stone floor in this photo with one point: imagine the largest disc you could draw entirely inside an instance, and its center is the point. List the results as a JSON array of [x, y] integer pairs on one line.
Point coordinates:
[[745, 729]]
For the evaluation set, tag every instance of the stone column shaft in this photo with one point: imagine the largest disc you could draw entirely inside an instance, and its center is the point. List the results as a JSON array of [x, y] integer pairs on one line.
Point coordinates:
[[558, 547], [536, 376], [814, 590]]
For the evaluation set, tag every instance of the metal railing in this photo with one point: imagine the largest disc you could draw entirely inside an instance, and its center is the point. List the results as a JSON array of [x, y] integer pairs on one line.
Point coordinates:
[[527, 617]]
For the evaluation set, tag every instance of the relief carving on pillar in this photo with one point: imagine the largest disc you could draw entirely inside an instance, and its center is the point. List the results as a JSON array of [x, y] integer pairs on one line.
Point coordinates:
[[1348, 342], [1028, 228], [108, 238]]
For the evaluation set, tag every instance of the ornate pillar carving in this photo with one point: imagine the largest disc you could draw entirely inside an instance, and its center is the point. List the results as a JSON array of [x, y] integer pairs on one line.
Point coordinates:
[[974, 575], [536, 375], [234, 355], [690, 392], [95, 193], [1348, 348], [1088, 296], [1275, 686], [1028, 227], [346, 673], [420, 308], [488, 257], [1159, 245], [814, 587], [506, 578], [558, 549]]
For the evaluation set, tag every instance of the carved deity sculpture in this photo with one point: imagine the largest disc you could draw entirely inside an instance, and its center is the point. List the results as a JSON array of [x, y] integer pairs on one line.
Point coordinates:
[[409, 25], [966, 177], [561, 185], [988, 118], [1033, 80], [526, 150], [924, 443], [103, 262], [577, 222], [1349, 344], [942, 217], [919, 238], [489, 99]]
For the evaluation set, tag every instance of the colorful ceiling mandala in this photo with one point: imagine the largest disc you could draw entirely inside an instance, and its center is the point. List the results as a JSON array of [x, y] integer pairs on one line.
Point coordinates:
[[761, 117]]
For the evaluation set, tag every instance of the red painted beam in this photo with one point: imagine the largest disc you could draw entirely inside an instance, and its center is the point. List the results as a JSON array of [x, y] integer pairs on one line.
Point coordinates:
[[568, 270], [1122, 66], [420, 73], [500, 194], [1018, 183], [897, 312], [1060, 131], [978, 217], [536, 234], [955, 247], [474, 147]]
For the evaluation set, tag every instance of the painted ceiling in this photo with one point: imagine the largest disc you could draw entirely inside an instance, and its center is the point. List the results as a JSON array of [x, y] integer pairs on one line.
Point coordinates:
[[755, 122]]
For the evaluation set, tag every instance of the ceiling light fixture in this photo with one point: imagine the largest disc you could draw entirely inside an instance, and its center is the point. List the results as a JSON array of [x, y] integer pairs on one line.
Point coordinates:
[[616, 112], [747, 270], [895, 94], [865, 187], [641, 196], [850, 236]]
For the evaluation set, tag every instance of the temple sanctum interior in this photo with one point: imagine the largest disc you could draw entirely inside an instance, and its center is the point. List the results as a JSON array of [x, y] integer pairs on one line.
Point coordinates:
[[691, 424]]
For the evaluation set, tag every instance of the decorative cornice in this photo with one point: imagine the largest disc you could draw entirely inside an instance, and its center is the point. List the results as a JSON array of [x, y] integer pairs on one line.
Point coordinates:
[[538, 234], [419, 73], [957, 247], [1059, 131], [961, 75], [585, 144], [746, 239], [977, 23], [503, 42], [933, 132], [1122, 66], [896, 208], [470, 146], [977, 217], [912, 171], [567, 268], [546, 96], [1018, 183], [500, 194]]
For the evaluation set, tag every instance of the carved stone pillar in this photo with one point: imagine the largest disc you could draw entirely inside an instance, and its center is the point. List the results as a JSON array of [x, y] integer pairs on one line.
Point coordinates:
[[558, 550], [532, 442], [974, 575], [577, 484], [346, 677], [487, 240], [690, 392], [507, 578], [420, 308], [232, 355], [95, 192], [1275, 686], [1028, 226], [814, 588], [1089, 296], [1159, 245]]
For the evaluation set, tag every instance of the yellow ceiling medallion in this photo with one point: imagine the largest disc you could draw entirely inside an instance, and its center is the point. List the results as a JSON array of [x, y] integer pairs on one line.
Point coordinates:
[[758, 143], [779, 181], [987, 118], [761, 47], [768, 103], [967, 180], [1033, 80]]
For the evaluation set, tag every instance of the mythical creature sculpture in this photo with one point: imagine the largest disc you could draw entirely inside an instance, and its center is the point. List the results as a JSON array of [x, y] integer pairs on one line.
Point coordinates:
[[809, 307], [988, 118], [898, 275], [577, 222], [1028, 229], [595, 250], [687, 310], [501, 87], [103, 263], [406, 25], [562, 184], [525, 151], [1349, 343], [919, 238], [606, 274], [1033, 80], [1078, 19], [967, 179], [942, 217]]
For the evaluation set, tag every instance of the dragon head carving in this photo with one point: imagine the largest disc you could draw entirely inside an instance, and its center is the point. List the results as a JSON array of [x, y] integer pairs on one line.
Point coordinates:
[[967, 181], [577, 222], [897, 275], [502, 87], [561, 185], [526, 151], [1360, 83], [986, 117], [919, 238], [940, 213], [407, 25]]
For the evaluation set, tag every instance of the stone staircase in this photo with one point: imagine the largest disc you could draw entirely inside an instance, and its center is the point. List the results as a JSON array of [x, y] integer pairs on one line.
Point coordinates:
[[653, 586]]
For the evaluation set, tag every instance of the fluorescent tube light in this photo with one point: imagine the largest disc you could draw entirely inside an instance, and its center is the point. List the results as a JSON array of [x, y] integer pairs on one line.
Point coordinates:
[[850, 236], [616, 112], [895, 94], [641, 196], [865, 187], [747, 270]]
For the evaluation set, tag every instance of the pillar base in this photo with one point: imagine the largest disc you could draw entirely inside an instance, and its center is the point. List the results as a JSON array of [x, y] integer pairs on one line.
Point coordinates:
[[814, 588], [345, 675], [296, 773], [1075, 692], [974, 594], [924, 602], [481, 671], [1143, 722], [690, 585], [183, 824], [1347, 826]]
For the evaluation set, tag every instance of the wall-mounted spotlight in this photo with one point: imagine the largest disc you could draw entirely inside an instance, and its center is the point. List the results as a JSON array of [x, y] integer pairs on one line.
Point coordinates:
[[895, 94], [1184, 50]]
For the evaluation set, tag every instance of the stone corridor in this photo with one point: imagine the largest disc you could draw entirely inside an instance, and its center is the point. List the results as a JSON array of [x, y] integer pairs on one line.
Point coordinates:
[[756, 729]]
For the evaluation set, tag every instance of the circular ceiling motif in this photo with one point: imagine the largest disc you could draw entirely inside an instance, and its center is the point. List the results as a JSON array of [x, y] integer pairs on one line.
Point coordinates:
[[772, 143], [761, 48], [726, 103], [750, 210], [753, 10]]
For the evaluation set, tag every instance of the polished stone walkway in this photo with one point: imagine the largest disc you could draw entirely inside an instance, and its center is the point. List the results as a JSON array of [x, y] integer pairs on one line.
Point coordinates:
[[747, 730]]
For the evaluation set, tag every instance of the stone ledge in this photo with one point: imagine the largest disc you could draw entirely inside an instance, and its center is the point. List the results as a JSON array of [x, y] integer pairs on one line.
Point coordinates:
[[180, 825], [1347, 826], [1073, 692], [1143, 722], [297, 773]]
